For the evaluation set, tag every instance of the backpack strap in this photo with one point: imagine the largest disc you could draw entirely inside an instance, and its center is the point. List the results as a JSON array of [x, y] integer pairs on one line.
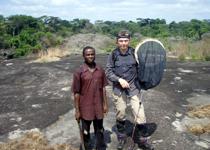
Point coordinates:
[[114, 55]]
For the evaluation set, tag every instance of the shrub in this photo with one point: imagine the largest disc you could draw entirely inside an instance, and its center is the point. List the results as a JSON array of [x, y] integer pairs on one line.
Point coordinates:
[[182, 57], [134, 42], [22, 51], [36, 48], [109, 48], [207, 58]]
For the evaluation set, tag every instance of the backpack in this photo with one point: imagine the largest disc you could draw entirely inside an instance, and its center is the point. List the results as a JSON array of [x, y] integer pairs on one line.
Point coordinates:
[[151, 57]]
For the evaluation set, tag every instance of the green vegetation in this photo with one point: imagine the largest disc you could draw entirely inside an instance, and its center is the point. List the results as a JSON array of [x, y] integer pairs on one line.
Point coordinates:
[[25, 34]]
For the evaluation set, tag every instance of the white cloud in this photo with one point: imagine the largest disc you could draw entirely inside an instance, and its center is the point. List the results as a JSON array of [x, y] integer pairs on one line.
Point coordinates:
[[64, 2], [110, 9], [188, 1], [28, 2]]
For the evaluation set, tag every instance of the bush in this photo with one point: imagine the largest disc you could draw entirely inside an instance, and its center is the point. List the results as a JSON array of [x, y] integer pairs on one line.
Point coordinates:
[[36, 48], [182, 57], [195, 57], [14, 42], [207, 58], [134, 42], [109, 48], [22, 51]]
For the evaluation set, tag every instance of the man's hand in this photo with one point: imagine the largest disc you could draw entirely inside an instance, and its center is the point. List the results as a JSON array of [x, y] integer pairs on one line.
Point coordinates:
[[105, 109], [124, 83], [77, 115]]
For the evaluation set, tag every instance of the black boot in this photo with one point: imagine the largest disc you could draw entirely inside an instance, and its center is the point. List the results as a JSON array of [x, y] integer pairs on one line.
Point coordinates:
[[144, 144], [100, 143], [140, 139], [121, 140], [121, 134], [87, 143]]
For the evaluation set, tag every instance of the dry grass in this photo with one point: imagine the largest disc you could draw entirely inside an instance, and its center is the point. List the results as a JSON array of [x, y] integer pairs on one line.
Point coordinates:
[[200, 112], [203, 48], [33, 141], [180, 48], [184, 49], [52, 54], [198, 129]]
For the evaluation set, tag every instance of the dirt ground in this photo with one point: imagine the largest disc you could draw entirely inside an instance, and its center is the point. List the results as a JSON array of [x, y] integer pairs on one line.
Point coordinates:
[[36, 96]]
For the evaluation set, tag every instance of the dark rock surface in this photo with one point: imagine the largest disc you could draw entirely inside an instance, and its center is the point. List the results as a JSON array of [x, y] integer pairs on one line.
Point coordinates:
[[35, 95]]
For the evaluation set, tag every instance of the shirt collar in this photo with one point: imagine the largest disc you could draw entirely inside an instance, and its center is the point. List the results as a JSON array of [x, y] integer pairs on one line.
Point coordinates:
[[127, 52], [85, 67]]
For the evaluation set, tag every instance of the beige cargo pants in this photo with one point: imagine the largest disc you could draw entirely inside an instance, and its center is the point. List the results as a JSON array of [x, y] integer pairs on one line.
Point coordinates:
[[136, 107]]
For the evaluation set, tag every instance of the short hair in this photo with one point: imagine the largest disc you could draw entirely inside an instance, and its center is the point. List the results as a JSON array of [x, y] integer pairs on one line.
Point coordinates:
[[123, 34], [87, 47]]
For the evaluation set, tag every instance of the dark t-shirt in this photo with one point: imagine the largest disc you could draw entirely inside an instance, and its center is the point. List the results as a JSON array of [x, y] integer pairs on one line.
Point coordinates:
[[90, 87]]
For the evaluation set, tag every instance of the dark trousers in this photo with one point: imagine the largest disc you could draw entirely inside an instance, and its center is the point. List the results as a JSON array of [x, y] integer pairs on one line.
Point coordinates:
[[98, 130]]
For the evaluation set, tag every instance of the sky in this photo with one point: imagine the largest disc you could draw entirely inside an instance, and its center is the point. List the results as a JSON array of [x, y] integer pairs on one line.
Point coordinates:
[[109, 10]]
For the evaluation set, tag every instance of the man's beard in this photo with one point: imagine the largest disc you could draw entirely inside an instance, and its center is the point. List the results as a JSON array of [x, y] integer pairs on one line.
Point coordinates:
[[90, 64]]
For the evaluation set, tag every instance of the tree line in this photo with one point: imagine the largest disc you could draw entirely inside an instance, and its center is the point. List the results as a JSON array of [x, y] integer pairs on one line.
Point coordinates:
[[26, 34]]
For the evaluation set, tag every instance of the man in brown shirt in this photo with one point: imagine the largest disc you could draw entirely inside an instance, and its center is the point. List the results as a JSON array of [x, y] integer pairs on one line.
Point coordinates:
[[90, 99]]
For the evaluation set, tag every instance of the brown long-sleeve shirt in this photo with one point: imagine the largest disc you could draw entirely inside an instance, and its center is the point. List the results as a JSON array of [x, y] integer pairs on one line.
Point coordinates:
[[89, 85]]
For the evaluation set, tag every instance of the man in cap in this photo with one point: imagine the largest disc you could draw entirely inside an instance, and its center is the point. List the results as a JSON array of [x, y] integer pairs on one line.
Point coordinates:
[[121, 70]]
